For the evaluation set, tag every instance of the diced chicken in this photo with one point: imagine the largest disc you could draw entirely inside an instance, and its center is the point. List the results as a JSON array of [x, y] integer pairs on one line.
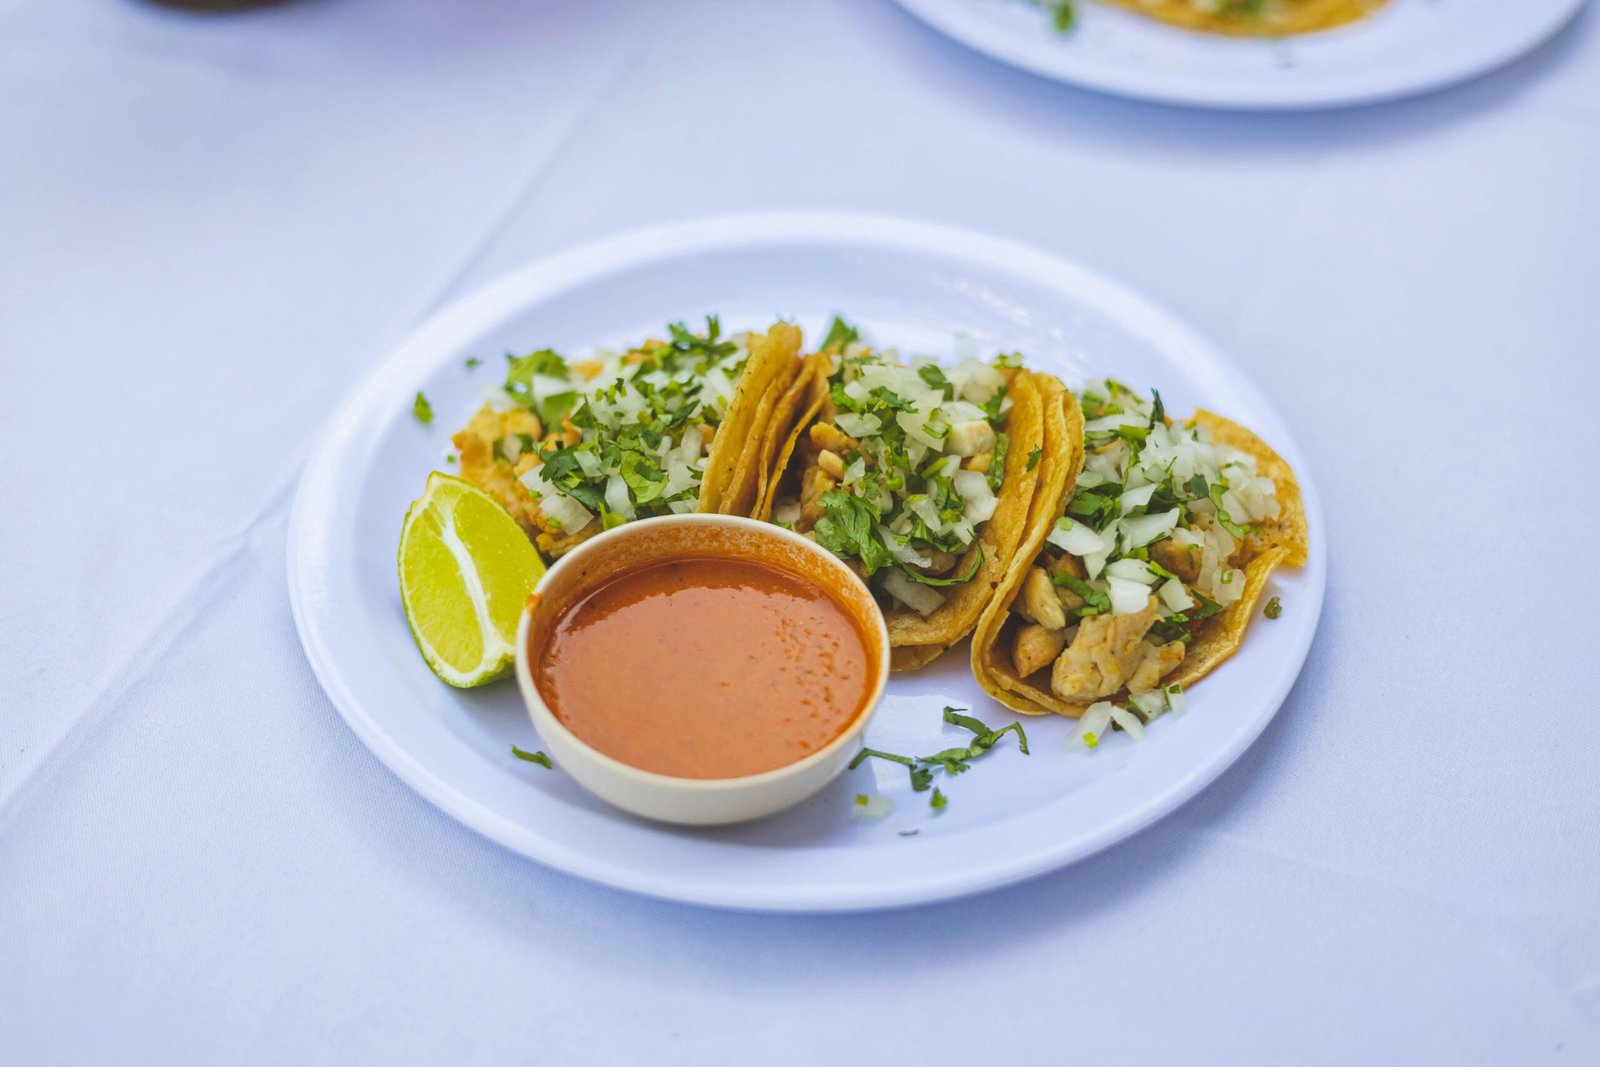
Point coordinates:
[[827, 435], [980, 463], [1036, 648], [1104, 655], [475, 444], [1158, 662], [813, 483], [970, 438], [1066, 563], [831, 462], [1039, 600], [1182, 560], [939, 563]]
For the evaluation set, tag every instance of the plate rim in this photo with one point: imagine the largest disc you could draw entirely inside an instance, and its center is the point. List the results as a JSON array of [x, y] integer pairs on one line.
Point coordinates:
[[309, 544], [987, 39]]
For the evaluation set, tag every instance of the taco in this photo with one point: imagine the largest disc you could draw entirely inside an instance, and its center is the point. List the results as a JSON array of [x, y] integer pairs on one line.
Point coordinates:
[[1149, 546], [920, 477], [1267, 18], [664, 428]]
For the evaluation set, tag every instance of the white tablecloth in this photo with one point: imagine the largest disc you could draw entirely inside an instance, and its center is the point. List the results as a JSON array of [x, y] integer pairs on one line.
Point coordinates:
[[211, 227]]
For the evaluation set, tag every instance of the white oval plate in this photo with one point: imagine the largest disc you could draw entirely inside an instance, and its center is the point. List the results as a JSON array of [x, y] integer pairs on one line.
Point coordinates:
[[910, 285], [1410, 47]]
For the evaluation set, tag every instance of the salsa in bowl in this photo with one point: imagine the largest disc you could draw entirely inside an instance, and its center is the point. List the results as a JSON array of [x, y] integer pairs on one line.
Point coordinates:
[[701, 669]]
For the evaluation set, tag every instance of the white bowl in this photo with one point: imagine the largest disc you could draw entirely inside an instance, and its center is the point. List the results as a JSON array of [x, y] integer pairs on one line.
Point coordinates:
[[696, 801]]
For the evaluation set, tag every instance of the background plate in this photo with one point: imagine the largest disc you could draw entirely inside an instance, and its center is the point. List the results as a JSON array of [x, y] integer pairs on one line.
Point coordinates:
[[909, 285], [1410, 47]]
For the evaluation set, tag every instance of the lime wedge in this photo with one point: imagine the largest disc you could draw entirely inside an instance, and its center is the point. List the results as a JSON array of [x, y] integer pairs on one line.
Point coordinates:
[[466, 568]]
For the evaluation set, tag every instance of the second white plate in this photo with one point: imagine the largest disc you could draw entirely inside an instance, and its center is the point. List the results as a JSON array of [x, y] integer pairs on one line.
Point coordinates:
[[909, 285], [1409, 47]]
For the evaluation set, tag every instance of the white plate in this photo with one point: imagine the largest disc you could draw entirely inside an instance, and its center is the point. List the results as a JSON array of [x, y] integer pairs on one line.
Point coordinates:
[[911, 285], [1410, 47]]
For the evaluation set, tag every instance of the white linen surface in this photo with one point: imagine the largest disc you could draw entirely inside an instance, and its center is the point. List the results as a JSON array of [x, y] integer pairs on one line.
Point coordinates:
[[211, 227]]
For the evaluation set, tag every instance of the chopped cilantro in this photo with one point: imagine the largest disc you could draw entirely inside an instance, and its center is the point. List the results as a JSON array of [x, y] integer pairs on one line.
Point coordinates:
[[840, 333], [952, 761], [997, 462], [930, 373], [473, 362], [1033, 456], [1095, 601], [924, 579], [421, 409], [533, 757], [1273, 609], [849, 530]]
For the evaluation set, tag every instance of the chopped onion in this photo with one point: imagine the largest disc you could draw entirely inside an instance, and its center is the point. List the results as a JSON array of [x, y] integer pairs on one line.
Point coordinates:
[[919, 598], [1129, 722], [1152, 704], [915, 424], [978, 380], [689, 447], [588, 462], [1143, 529], [679, 477], [617, 498], [1095, 562], [1176, 702], [1094, 722], [1175, 596], [855, 472], [1072, 536], [858, 425], [788, 511], [1127, 598], [511, 447], [979, 500], [533, 480], [572, 515], [1137, 498], [1112, 423], [1132, 570]]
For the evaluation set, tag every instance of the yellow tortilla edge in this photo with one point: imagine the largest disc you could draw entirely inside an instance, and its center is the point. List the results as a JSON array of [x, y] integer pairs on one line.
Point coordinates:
[[774, 355]]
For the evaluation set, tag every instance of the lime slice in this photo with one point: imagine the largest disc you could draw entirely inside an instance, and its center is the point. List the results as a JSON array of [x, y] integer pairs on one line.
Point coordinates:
[[466, 568]]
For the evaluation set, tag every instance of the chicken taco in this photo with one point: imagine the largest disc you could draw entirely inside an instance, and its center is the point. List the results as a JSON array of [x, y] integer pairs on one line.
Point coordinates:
[[919, 476], [668, 427], [1271, 18], [1148, 548]]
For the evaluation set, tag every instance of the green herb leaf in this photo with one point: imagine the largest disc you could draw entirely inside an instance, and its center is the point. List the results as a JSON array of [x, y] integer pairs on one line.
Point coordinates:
[[1273, 609], [533, 757], [849, 529], [1033, 457], [421, 409], [473, 362], [923, 579], [840, 333], [997, 462], [1095, 601], [938, 802], [935, 378], [1217, 489]]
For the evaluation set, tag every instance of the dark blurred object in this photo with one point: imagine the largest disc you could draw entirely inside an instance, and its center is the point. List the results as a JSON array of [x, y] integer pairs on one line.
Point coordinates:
[[213, 5]]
